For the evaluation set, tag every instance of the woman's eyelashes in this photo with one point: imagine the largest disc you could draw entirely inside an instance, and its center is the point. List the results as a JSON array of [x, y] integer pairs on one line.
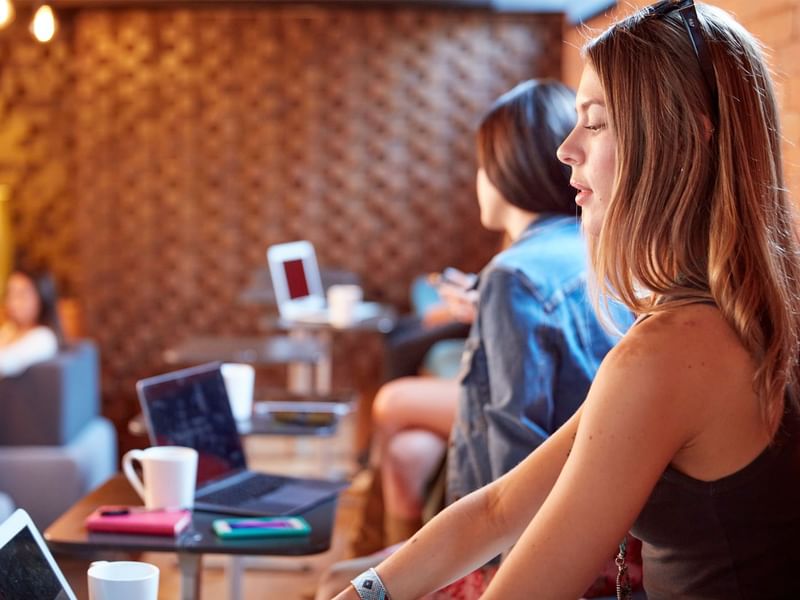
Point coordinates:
[[595, 127]]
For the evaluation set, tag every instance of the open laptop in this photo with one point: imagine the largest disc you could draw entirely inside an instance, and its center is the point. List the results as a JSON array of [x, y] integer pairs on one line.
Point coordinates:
[[297, 284], [27, 569], [190, 408]]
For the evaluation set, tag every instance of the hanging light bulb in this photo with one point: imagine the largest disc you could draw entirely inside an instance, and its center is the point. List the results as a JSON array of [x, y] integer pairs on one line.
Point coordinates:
[[44, 24], [6, 12]]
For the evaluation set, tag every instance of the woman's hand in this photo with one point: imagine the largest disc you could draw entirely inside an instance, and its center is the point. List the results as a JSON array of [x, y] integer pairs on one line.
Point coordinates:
[[461, 303], [459, 298]]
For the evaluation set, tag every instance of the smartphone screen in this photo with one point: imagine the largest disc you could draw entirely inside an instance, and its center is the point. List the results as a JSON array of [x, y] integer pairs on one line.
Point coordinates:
[[261, 527], [453, 276], [255, 524]]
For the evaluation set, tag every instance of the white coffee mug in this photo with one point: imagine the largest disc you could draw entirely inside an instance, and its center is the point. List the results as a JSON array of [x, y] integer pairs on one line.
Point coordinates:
[[239, 381], [123, 580], [169, 475], [342, 303]]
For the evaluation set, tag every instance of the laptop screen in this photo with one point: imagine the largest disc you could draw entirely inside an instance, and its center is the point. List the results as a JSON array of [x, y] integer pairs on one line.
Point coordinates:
[[296, 278], [190, 408], [26, 573]]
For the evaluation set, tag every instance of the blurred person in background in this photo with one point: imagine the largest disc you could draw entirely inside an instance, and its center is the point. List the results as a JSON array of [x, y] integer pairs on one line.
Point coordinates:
[[29, 330]]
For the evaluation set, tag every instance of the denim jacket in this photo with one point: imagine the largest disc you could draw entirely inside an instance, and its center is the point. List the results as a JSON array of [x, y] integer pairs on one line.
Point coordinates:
[[531, 354]]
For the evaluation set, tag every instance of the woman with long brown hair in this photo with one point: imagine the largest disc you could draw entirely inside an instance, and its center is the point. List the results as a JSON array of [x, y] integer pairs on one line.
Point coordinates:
[[690, 434]]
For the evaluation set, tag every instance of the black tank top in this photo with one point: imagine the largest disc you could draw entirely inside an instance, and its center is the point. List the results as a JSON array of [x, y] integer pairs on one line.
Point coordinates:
[[734, 538]]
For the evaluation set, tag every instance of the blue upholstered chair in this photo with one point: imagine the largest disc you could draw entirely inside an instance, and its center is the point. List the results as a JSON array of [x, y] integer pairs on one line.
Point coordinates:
[[54, 445], [443, 359]]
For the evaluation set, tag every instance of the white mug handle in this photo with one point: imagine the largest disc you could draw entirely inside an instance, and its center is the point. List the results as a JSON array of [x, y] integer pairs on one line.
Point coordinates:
[[130, 473]]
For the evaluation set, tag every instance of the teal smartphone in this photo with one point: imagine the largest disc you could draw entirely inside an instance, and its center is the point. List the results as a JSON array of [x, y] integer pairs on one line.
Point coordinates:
[[255, 527]]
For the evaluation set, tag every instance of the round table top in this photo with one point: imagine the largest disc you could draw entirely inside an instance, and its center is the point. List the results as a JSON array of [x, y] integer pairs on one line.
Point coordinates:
[[378, 318]]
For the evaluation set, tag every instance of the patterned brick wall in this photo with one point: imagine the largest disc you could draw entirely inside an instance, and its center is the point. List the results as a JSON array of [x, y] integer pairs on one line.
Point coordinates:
[[776, 23], [35, 155], [162, 150]]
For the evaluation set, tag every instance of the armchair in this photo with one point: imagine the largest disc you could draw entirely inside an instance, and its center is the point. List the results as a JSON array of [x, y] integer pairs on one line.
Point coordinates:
[[54, 445]]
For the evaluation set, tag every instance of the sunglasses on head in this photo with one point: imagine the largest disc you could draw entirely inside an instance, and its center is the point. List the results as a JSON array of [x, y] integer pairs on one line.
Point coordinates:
[[688, 14]]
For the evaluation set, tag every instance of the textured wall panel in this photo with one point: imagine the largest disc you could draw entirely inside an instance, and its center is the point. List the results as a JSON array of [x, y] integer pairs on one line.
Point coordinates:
[[166, 149], [35, 146]]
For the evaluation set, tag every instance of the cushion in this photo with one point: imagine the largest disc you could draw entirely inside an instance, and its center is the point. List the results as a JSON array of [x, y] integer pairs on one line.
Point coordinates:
[[51, 402]]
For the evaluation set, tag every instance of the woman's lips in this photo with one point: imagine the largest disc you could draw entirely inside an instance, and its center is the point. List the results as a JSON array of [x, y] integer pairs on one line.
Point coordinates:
[[583, 193], [582, 196]]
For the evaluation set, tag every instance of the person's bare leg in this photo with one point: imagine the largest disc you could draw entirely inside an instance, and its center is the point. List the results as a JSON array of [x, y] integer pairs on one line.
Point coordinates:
[[412, 418], [415, 403], [411, 459], [423, 402]]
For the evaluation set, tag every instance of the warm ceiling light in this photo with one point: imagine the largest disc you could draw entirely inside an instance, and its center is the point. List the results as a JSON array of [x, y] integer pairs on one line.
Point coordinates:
[[43, 25], [6, 12]]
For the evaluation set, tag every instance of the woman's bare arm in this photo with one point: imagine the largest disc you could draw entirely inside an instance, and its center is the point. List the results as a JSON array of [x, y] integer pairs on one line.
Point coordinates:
[[478, 527]]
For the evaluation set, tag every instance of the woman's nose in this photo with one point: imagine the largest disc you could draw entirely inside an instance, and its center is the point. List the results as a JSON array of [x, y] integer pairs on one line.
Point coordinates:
[[565, 152]]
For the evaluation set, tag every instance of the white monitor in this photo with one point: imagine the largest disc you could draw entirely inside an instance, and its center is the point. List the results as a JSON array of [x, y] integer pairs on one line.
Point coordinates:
[[296, 279], [27, 569]]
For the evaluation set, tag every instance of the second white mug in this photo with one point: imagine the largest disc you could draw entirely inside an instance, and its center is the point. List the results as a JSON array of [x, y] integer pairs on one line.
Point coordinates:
[[342, 302], [169, 474], [239, 381], [123, 580]]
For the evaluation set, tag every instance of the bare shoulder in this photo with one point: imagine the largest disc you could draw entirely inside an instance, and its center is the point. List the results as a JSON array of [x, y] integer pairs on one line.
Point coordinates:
[[686, 342], [684, 380], [682, 365]]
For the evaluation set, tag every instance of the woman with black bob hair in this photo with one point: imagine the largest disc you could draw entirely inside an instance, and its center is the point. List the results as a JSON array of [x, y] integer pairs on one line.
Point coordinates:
[[535, 343]]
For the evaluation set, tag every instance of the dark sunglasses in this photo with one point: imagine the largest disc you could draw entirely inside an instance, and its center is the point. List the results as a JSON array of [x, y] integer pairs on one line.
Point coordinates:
[[688, 14]]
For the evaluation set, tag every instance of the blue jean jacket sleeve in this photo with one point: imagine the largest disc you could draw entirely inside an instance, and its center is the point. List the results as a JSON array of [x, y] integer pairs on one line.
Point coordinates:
[[530, 357], [522, 357]]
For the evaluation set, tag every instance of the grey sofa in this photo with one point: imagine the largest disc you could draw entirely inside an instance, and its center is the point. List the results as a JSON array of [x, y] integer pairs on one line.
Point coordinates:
[[54, 445]]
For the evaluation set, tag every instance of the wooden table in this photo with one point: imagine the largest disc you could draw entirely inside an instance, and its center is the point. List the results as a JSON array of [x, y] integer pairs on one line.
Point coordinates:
[[68, 534]]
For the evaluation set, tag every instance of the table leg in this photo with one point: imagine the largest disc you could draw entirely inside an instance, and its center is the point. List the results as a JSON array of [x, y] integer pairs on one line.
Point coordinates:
[[191, 571], [235, 575], [299, 374], [324, 367], [304, 378]]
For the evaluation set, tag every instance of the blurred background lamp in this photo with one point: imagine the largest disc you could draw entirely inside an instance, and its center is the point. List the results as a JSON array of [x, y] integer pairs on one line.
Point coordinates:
[[6, 12], [43, 25]]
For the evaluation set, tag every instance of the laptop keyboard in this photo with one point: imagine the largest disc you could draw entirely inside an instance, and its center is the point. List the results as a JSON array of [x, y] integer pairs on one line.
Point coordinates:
[[246, 489]]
